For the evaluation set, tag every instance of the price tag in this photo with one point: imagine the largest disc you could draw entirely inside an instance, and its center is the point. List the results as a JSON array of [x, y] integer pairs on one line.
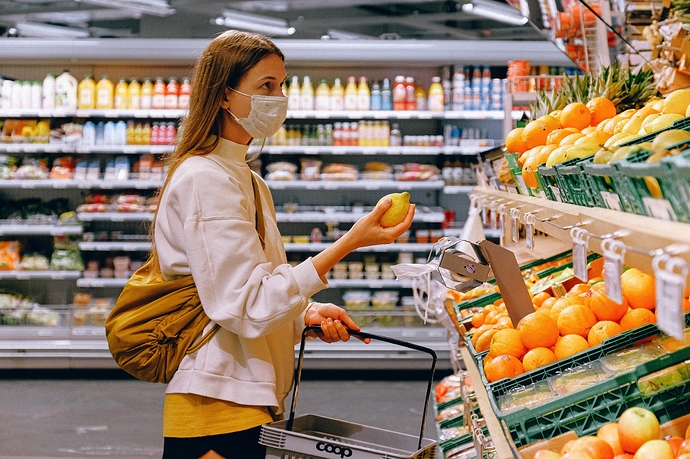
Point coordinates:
[[611, 199], [514, 225], [670, 287], [556, 193], [659, 208], [492, 219], [579, 253], [502, 224], [529, 236], [614, 252]]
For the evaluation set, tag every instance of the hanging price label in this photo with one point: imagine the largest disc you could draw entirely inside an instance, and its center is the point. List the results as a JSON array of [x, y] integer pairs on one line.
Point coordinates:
[[492, 218], [670, 287], [502, 224], [580, 253], [614, 252], [514, 225], [529, 232]]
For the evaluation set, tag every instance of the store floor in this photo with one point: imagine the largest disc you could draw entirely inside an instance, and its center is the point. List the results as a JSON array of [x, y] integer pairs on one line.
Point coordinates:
[[108, 415]]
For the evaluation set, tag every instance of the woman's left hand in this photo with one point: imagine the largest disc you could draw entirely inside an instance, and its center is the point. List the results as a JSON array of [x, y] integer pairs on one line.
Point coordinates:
[[333, 320]]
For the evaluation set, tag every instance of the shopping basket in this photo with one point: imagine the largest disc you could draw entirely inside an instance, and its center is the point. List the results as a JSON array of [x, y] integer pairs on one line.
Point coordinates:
[[311, 436]]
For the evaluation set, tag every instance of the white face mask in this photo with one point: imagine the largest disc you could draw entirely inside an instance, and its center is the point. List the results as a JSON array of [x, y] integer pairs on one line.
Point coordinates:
[[266, 115]]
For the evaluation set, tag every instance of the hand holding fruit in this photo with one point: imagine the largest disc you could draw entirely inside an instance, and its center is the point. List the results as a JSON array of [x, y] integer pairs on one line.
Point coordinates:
[[391, 217]]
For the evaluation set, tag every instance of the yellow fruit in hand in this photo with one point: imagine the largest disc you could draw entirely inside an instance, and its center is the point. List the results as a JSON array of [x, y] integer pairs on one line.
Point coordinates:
[[398, 210]]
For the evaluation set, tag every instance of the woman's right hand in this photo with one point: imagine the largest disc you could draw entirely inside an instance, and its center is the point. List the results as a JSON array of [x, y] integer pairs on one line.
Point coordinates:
[[368, 231]]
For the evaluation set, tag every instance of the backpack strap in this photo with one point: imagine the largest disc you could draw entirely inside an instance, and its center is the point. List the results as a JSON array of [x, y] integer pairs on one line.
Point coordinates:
[[260, 224]]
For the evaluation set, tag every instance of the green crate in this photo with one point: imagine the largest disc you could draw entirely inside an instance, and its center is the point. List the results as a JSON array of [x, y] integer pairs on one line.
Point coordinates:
[[570, 176], [516, 170], [680, 185], [669, 206], [586, 410], [547, 179]]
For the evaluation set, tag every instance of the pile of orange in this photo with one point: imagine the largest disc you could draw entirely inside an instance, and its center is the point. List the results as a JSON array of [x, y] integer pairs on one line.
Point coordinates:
[[561, 327]]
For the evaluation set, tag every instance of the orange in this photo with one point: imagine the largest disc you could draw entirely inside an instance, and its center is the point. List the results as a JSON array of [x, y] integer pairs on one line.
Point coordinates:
[[537, 330], [477, 319], [528, 170], [639, 288], [535, 133], [579, 454], [505, 321], [600, 108], [600, 136], [578, 289], [507, 342], [595, 447], [569, 345], [603, 330], [514, 142], [539, 298], [604, 307], [478, 332], [548, 303], [503, 366], [537, 357], [484, 341], [551, 120], [636, 318], [555, 136], [488, 358], [576, 115], [561, 303], [576, 320]]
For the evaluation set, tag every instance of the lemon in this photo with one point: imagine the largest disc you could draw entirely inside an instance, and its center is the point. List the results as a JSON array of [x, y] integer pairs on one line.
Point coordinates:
[[602, 156], [559, 155], [632, 126], [398, 210], [662, 121], [669, 138], [677, 102]]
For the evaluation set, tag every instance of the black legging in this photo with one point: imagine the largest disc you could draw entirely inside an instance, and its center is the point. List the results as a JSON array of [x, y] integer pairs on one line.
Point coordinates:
[[236, 445]]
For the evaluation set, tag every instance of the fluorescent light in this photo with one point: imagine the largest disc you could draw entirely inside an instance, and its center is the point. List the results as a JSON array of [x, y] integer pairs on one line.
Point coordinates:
[[495, 11], [38, 29], [255, 23], [153, 8]]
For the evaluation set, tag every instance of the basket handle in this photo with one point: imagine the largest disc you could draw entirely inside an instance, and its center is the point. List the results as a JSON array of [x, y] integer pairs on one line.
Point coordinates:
[[364, 335]]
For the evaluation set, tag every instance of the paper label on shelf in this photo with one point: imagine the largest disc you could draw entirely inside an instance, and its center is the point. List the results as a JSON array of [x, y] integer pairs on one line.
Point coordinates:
[[529, 236], [580, 260], [556, 193], [611, 199], [522, 185], [612, 279], [502, 228], [659, 208], [515, 229], [669, 303]]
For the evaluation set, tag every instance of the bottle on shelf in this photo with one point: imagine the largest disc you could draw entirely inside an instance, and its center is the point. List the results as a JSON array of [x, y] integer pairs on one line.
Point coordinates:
[[130, 133], [120, 133], [185, 92], [420, 98], [87, 93], [26, 95], [375, 101], [363, 94], [6, 94], [120, 98], [36, 95], [436, 99], [16, 95], [410, 100], [306, 95], [88, 134], [172, 94], [134, 94], [109, 134], [48, 91], [351, 94], [170, 133], [337, 95], [158, 95], [146, 94], [146, 134], [399, 93], [395, 136], [66, 91], [155, 134], [104, 93], [294, 94], [322, 101], [138, 131], [386, 96]]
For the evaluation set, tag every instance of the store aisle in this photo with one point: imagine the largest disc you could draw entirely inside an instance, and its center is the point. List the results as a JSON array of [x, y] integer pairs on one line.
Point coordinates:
[[114, 417]]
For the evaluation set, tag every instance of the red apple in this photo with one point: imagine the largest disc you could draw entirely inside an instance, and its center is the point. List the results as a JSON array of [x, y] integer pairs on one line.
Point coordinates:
[[655, 449], [547, 454], [636, 426], [595, 447], [675, 443], [609, 433]]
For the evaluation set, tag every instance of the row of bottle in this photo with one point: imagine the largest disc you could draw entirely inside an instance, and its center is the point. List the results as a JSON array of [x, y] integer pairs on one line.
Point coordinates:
[[458, 173], [362, 134], [120, 133], [404, 94], [64, 92]]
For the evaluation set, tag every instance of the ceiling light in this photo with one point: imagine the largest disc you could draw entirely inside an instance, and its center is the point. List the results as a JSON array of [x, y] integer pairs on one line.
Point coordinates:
[[255, 23], [38, 29], [495, 11], [152, 7]]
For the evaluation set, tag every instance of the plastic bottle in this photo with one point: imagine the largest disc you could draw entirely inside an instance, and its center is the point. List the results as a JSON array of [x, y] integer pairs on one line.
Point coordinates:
[[294, 94], [410, 101], [395, 136], [130, 132], [399, 93], [322, 101], [375, 100], [104, 93], [120, 133], [120, 99], [87, 93], [6, 94], [48, 92], [138, 133], [88, 134], [436, 99], [172, 94], [185, 92], [350, 102], [363, 94], [386, 96], [337, 95], [26, 94], [109, 134], [100, 129], [146, 134], [420, 98], [16, 95], [170, 133], [66, 91], [154, 139], [36, 95], [134, 94], [146, 95], [158, 96], [306, 95]]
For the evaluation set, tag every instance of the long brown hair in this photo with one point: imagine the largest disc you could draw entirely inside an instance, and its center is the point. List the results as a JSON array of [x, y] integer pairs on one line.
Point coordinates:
[[223, 63]]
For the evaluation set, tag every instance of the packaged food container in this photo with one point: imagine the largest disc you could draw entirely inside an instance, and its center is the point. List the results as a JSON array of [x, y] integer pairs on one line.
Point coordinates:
[[578, 378], [371, 271], [422, 236], [404, 238], [629, 358], [665, 378], [387, 271], [357, 299], [435, 235], [525, 397]]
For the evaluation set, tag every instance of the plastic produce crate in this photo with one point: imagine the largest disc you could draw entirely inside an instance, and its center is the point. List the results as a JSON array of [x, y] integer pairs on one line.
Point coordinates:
[[679, 190], [546, 177], [570, 176], [680, 124]]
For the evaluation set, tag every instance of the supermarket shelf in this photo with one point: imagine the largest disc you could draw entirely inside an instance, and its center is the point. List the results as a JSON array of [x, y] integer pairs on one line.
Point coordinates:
[[366, 283], [111, 246], [95, 113], [101, 282], [70, 148], [24, 228], [319, 246], [457, 189], [357, 150], [348, 217], [523, 97], [81, 184], [29, 275], [115, 216], [354, 185]]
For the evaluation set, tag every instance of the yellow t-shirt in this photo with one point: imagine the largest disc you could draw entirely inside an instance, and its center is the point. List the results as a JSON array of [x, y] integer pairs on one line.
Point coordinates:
[[190, 415]]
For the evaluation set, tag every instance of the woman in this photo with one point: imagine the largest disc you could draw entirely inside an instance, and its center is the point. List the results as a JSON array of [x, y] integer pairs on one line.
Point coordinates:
[[207, 225]]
